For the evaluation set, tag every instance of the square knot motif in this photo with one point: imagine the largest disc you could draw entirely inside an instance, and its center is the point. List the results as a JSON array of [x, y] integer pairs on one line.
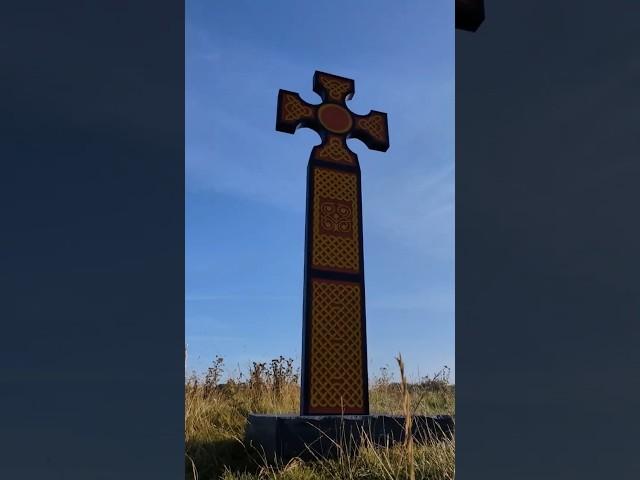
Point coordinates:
[[336, 217]]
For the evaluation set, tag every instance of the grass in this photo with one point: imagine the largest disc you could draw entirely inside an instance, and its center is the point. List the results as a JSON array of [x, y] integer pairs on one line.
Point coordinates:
[[216, 416]]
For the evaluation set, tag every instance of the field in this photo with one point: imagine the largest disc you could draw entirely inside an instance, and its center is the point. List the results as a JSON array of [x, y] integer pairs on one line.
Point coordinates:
[[215, 419]]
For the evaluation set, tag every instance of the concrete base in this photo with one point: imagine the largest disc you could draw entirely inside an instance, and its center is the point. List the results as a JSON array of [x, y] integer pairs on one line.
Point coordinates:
[[288, 436]]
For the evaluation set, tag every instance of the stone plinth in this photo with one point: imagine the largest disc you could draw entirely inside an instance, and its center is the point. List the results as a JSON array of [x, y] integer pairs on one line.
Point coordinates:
[[289, 436]]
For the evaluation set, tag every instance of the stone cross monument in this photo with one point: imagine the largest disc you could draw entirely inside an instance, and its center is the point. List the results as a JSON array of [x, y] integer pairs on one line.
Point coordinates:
[[334, 403], [334, 348]]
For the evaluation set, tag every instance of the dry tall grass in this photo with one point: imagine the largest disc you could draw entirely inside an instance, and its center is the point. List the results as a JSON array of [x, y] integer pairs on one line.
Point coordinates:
[[216, 415]]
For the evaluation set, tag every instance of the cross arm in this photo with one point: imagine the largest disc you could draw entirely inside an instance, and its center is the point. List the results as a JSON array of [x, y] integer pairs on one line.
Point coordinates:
[[332, 88], [293, 112], [372, 130]]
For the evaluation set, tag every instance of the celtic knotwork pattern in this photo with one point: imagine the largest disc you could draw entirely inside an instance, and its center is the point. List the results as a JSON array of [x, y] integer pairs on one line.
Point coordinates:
[[334, 150], [336, 89], [336, 361], [336, 217], [294, 109], [374, 124], [330, 251]]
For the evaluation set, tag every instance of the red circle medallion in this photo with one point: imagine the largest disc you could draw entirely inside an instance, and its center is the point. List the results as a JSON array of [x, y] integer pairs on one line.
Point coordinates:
[[335, 118]]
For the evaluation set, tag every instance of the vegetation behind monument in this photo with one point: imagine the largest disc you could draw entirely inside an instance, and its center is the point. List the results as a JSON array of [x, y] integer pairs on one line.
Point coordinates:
[[216, 415]]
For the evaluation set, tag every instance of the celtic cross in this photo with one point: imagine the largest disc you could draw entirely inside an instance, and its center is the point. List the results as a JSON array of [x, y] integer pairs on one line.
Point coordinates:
[[334, 350]]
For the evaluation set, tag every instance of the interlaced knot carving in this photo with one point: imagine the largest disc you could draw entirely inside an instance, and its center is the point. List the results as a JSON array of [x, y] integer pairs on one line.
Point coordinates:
[[375, 126], [336, 89], [335, 150], [336, 363], [294, 109]]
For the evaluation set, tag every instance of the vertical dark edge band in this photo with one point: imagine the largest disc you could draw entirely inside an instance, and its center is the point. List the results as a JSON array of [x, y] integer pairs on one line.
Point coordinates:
[[363, 316], [305, 383]]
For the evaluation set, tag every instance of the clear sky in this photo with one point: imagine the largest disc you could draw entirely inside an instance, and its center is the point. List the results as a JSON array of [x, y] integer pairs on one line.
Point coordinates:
[[245, 192]]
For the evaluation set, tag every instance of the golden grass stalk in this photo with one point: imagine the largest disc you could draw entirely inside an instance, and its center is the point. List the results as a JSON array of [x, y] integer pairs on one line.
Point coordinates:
[[408, 418]]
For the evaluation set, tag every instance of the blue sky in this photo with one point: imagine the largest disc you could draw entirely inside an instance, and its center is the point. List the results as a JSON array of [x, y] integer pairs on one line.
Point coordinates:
[[245, 191]]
